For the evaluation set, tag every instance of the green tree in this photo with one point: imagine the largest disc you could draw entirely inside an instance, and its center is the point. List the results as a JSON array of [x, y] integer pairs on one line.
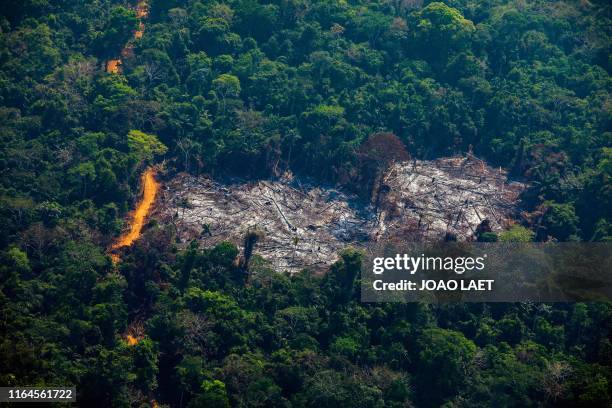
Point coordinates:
[[213, 394], [145, 146], [440, 31], [444, 358], [146, 365], [560, 220], [517, 233], [116, 32], [226, 86]]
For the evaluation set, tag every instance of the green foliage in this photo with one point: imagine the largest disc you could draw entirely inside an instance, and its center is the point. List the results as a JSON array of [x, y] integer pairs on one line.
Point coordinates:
[[340, 280], [145, 146], [488, 237], [517, 233], [345, 346], [561, 220], [213, 395], [444, 358], [146, 366], [227, 85], [116, 32], [441, 30], [256, 88]]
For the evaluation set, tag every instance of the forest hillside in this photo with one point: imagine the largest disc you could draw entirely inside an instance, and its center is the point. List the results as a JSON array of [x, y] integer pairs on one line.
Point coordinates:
[[104, 104]]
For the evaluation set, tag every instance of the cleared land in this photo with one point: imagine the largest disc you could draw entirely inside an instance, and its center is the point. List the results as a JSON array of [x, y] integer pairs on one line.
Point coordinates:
[[306, 226]]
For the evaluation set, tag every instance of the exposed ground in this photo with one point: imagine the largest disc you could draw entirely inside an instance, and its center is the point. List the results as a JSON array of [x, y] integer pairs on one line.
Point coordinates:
[[306, 226], [150, 187], [113, 66], [428, 199]]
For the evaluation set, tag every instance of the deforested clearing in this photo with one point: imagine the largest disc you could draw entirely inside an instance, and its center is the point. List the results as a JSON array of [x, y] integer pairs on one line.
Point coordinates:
[[305, 226]]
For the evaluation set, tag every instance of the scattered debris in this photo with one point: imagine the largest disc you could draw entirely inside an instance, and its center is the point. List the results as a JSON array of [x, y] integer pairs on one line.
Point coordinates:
[[446, 196], [305, 226], [302, 226]]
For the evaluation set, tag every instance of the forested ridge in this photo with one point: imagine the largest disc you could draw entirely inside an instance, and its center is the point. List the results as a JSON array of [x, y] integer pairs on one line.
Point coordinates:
[[252, 89]]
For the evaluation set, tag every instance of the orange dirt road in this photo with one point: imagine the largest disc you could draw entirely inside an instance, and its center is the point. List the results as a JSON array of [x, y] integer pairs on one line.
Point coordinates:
[[150, 186], [131, 340], [112, 66]]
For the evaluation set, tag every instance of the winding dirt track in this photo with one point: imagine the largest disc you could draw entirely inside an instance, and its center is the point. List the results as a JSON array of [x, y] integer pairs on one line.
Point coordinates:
[[150, 187]]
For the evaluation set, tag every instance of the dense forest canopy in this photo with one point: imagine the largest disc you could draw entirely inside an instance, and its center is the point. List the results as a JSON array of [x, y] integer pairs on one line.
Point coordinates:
[[253, 88]]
